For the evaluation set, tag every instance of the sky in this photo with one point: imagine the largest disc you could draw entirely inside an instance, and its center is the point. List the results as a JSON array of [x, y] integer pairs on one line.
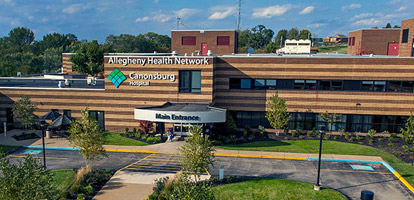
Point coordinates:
[[96, 19]]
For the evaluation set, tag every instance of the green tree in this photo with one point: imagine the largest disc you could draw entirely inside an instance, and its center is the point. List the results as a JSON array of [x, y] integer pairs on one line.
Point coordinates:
[[270, 48], [408, 130], [276, 112], [330, 118], [23, 111], [27, 180], [388, 25], [89, 59], [304, 34], [86, 135], [21, 36], [293, 34], [198, 153], [280, 38]]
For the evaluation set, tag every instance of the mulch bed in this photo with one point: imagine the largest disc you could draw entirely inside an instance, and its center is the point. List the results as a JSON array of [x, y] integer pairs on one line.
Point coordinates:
[[25, 136]]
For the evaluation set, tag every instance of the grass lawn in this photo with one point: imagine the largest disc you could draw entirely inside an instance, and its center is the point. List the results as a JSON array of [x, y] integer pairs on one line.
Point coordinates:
[[6, 148], [262, 188], [334, 49], [62, 179], [117, 139], [329, 147]]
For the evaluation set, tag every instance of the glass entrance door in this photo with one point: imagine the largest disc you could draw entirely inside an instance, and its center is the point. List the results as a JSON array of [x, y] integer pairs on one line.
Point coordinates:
[[181, 129]]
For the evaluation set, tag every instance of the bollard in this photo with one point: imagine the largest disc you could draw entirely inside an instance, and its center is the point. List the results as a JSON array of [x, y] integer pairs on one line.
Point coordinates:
[[221, 172], [367, 195]]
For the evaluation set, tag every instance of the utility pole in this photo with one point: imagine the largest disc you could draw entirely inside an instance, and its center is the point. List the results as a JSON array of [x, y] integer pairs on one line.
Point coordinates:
[[239, 16], [178, 22]]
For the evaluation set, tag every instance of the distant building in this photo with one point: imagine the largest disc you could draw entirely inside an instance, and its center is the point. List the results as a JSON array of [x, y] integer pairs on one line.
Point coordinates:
[[296, 47], [387, 41], [198, 42], [338, 38]]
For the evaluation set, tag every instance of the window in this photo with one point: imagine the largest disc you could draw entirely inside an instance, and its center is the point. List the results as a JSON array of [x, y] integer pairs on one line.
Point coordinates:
[[271, 84], [325, 85], [310, 85], [190, 82], [367, 85], [67, 113], [259, 83], [405, 36], [299, 84], [9, 115], [246, 83], [223, 40], [188, 40], [407, 86], [379, 86], [234, 83], [353, 41], [395, 86], [99, 116]]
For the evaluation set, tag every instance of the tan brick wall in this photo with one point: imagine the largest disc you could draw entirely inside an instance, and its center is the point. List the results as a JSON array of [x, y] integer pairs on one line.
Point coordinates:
[[405, 49], [209, 37]]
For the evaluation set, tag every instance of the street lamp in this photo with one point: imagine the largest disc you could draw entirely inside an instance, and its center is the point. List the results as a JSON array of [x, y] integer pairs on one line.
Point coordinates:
[[43, 124], [321, 127]]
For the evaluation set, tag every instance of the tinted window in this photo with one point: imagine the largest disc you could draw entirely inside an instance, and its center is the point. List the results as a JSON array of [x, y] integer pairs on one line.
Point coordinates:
[[324, 85], [246, 84], [234, 83], [188, 40], [223, 40], [405, 36], [299, 84], [310, 85], [190, 81]]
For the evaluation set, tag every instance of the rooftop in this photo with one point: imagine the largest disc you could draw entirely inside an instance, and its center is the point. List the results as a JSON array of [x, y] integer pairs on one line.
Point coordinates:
[[43, 83]]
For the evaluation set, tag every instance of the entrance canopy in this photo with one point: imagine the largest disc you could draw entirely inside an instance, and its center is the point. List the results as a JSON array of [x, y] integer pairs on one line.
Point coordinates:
[[181, 113]]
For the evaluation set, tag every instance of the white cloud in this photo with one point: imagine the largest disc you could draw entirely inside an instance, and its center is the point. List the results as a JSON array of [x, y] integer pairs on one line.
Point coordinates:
[[368, 22], [351, 7], [142, 19], [316, 25], [222, 12], [155, 1], [162, 17], [74, 8], [402, 8], [307, 10], [8, 2], [361, 16], [271, 11], [13, 22], [185, 12]]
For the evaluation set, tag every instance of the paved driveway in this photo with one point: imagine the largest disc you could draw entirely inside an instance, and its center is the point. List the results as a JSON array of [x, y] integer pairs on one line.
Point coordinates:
[[337, 175]]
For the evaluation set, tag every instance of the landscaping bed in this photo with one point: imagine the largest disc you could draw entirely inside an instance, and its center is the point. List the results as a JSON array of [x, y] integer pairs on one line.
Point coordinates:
[[25, 136], [118, 139]]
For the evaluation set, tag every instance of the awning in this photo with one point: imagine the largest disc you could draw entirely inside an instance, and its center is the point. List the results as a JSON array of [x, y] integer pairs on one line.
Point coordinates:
[[181, 113]]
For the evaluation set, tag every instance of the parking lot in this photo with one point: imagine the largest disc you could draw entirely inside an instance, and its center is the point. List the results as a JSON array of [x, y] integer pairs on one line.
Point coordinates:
[[341, 176]]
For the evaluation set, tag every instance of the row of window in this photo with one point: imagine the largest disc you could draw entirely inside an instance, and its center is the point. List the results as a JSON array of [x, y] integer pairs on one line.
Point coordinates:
[[335, 85], [308, 121], [351, 41], [191, 40]]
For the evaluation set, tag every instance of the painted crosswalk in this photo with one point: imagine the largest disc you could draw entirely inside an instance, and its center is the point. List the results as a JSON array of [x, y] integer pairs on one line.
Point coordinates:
[[156, 163]]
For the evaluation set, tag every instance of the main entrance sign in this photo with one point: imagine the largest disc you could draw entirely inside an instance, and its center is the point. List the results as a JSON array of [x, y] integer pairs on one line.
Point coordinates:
[[165, 60]]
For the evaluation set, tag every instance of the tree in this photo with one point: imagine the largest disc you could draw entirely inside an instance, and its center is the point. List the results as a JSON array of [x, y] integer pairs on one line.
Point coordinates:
[[270, 48], [23, 111], [330, 118], [293, 34], [408, 130], [89, 59], [277, 113], [305, 34], [86, 135], [280, 38], [146, 126], [198, 153], [21, 36], [388, 25], [27, 180]]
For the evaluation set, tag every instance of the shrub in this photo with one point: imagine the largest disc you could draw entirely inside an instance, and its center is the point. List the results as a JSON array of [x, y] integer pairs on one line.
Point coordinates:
[[407, 149], [309, 133], [327, 137], [380, 139], [371, 141], [390, 139], [217, 142], [351, 139], [397, 153], [347, 136], [126, 131], [80, 197], [286, 130], [261, 130], [394, 135], [390, 144], [89, 190], [134, 130], [371, 133], [293, 133], [358, 136], [342, 132], [300, 136], [75, 188], [245, 132], [286, 138], [315, 132], [251, 137], [385, 132], [299, 131], [335, 137]]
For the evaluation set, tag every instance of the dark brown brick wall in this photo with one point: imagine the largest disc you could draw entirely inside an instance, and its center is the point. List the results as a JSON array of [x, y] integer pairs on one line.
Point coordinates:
[[405, 49], [373, 41], [209, 37]]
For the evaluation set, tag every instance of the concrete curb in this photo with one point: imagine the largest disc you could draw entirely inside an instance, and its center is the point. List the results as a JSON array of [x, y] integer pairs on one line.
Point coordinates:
[[54, 148]]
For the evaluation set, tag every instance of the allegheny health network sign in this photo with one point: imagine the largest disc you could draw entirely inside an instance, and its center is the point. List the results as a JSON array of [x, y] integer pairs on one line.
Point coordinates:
[[158, 60]]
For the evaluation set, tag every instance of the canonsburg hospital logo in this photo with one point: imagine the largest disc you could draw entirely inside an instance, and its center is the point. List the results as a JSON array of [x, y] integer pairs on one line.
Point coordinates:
[[116, 77]]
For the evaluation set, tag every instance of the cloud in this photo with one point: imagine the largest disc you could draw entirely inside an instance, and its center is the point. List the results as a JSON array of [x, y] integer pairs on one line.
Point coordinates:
[[74, 8], [12, 21], [185, 12], [402, 8], [142, 19], [307, 10], [162, 17], [222, 12], [8, 2], [155, 1], [361, 16], [351, 7], [271, 11], [316, 25], [368, 22]]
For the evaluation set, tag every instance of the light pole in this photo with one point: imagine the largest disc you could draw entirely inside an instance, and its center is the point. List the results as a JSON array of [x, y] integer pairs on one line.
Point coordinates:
[[43, 124], [317, 187]]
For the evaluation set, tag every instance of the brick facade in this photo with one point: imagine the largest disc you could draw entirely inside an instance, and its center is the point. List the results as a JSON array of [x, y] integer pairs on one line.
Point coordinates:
[[208, 37], [406, 49], [372, 41]]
